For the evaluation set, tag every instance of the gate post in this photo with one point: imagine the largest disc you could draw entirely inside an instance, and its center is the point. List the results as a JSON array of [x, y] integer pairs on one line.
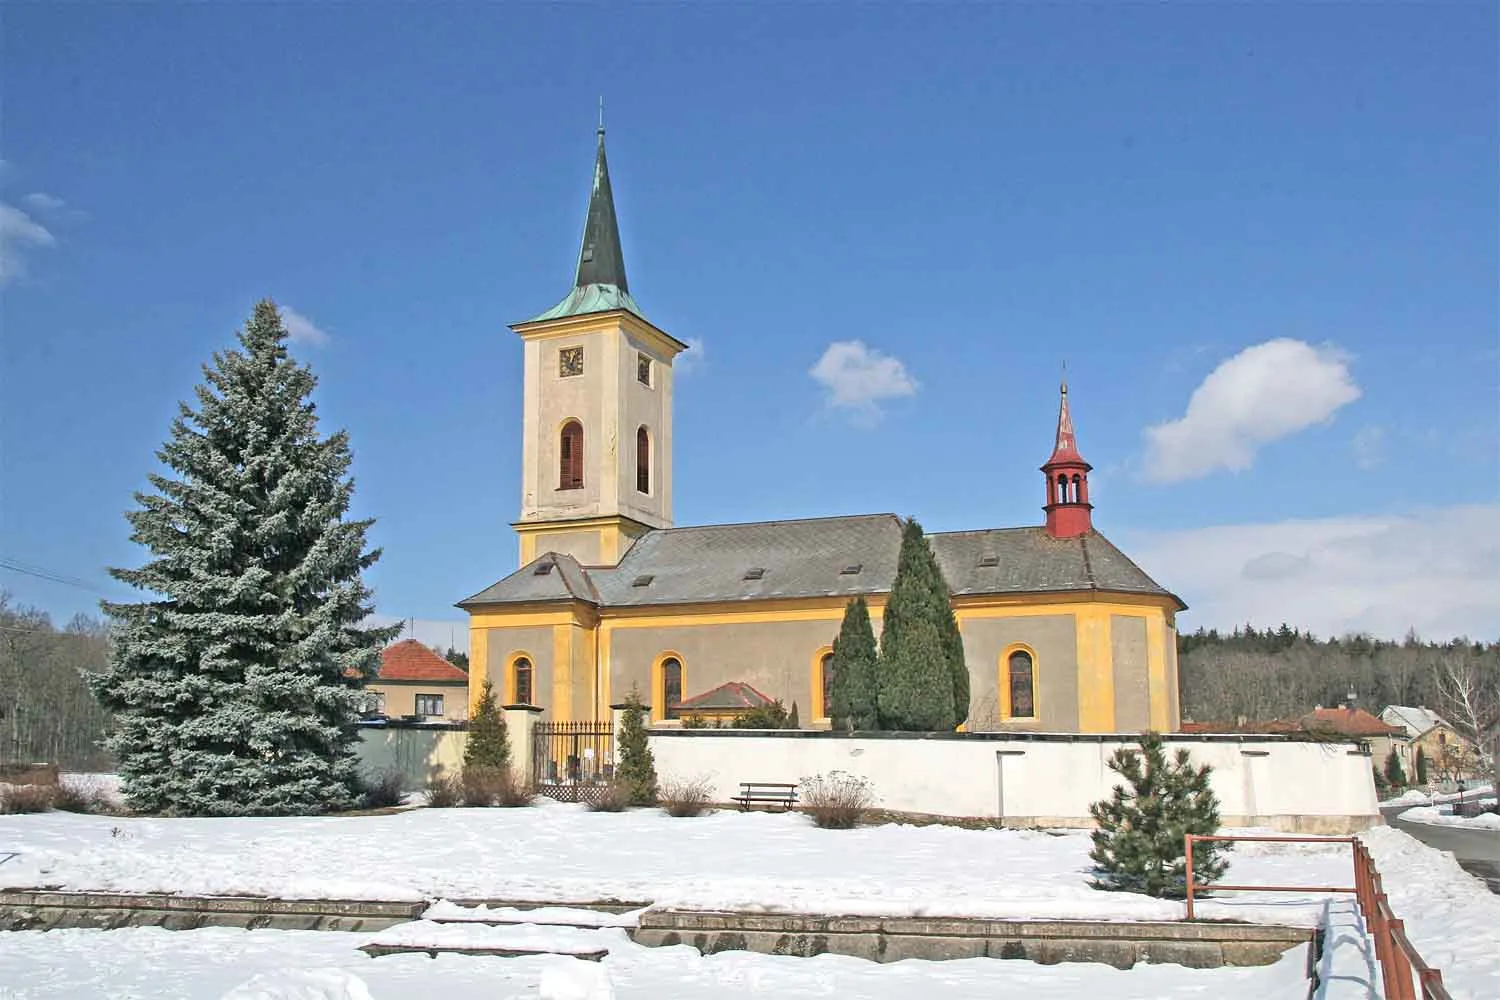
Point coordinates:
[[520, 721]]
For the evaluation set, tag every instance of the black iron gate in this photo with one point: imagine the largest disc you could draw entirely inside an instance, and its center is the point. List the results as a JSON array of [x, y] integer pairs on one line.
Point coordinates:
[[572, 761]]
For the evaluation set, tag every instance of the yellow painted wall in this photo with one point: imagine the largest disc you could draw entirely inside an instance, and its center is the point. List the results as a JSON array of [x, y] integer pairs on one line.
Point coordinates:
[[401, 698], [586, 676]]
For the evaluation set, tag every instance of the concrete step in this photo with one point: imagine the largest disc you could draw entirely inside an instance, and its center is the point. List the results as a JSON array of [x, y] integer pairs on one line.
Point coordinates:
[[469, 937], [583, 917]]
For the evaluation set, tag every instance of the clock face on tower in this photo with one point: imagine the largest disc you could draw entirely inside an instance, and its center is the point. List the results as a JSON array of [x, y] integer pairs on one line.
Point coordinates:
[[570, 362]]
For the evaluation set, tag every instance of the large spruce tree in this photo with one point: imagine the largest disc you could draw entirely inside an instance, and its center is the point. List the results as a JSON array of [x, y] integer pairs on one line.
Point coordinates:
[[854, 695], [915, 670], [235, 690]]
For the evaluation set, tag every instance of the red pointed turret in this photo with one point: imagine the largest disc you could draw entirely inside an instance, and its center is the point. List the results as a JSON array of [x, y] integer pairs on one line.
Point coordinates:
[[1069, 513]]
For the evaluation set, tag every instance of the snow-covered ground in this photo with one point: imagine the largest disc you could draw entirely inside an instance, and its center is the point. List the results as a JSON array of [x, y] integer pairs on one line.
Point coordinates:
[[1417, 797], [312, 965], [1451, 918], [1436, 816], [734, 860], [563, 853]]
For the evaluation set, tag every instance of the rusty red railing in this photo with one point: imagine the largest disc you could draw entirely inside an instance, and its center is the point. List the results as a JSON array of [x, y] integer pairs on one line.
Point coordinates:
[[1402, 971]]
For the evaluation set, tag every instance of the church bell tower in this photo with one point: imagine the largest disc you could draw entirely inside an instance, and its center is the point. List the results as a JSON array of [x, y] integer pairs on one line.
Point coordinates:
[[1069, 513], [596, 456]]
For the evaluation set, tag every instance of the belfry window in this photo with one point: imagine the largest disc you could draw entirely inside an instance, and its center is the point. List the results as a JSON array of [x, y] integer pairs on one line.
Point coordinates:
[[570, 457], [1022, 682], [642, 461]]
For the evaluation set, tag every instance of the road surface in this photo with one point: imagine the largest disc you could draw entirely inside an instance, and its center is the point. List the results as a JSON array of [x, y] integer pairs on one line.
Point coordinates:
[[1477, 850]]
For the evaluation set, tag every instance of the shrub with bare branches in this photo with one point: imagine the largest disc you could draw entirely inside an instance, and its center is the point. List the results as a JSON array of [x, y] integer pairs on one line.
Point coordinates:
[[443, 790], [613, 797], [512, 792], [836, 800], [685, 796], [383, 790], [82, 794], [479, 784], [26, 798]]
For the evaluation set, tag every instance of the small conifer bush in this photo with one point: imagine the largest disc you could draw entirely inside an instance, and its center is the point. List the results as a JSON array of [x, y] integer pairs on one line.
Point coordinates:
[[1139, 845], [636, 768], [488, 744], [1394, 772]]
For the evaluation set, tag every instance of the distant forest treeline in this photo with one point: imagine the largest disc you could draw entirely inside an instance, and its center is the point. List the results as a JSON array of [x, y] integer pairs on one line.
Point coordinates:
[[1285, 672], [47, 712]]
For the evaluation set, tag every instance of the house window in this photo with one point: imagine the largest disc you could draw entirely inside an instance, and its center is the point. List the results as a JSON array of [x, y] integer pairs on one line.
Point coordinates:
[[643, 369], [671, 687], [642, 461], [521, 680], [375, 702], [570, 457], [1022, 682], [825, 684], [430, 705]]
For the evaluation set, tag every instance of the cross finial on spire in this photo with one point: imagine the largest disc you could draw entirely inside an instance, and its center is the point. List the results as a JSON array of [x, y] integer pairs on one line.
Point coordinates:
[[1065, 378], [601, 114]]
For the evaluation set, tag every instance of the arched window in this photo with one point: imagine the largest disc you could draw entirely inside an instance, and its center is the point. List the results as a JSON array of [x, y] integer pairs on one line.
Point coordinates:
[[671, 687], [825, 684], [642, 461], [1022, 681], [1062, 489], [520, 680], [1077, 494], [570, 457]]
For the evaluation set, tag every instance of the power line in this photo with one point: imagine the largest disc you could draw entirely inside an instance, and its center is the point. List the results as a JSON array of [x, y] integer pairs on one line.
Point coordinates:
[[16, 566]]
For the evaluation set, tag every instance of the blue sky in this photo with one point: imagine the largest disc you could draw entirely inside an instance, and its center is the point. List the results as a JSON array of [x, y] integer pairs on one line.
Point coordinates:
[[1263, 237]]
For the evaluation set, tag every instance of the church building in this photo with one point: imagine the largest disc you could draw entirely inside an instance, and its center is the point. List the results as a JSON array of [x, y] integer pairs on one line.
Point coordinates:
[[1062, 631]]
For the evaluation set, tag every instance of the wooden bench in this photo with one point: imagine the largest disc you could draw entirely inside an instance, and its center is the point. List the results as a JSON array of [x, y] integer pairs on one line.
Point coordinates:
[[766, 793]]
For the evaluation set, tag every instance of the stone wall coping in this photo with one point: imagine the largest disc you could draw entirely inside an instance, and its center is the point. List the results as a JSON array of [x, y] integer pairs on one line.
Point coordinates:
[[998, 737], [689, 921]]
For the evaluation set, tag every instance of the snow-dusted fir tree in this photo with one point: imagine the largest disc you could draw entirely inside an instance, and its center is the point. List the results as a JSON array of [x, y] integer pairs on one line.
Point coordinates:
[[235, 689]]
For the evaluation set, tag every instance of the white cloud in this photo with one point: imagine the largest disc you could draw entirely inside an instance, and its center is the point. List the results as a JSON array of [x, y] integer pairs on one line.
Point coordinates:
[[1432, 570], [1369, 447], [19, 232], [1265, 392], [691, 360], [300, 329], [858, 377], [39, 202]]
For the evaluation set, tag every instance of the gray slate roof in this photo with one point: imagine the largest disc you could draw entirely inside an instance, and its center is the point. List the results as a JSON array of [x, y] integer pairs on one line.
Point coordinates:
[[808, 558]]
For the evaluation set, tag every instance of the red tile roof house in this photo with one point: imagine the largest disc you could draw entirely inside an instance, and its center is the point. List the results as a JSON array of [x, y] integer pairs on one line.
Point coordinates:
[[415, 681]]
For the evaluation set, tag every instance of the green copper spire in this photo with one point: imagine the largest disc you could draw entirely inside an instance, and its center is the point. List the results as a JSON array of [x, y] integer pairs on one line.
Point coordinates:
[[600, 284]]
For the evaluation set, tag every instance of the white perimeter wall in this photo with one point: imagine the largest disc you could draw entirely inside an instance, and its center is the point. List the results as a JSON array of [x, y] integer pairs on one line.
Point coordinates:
[[1299, 787]]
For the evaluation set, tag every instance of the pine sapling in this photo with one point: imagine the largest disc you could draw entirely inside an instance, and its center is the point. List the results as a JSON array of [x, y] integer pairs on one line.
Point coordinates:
[[1139, 845]]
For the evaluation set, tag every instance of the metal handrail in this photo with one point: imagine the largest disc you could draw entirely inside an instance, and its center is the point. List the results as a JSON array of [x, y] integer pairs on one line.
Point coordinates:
[[1397, 956]]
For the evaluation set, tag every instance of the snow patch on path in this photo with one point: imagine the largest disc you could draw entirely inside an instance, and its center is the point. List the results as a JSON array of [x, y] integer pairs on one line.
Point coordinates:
[[1436, 817]]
